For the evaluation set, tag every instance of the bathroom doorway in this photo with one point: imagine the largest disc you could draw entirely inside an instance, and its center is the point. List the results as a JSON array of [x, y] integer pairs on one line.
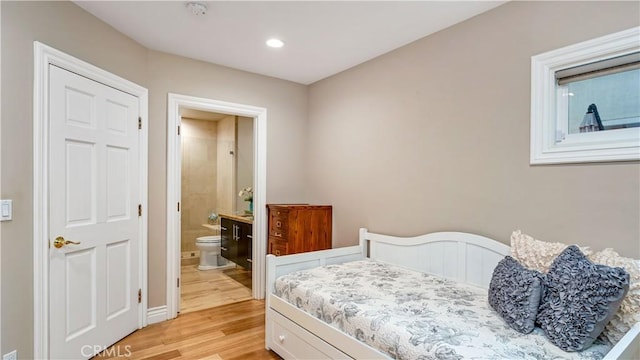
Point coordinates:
[[216, 183], [251, 255]]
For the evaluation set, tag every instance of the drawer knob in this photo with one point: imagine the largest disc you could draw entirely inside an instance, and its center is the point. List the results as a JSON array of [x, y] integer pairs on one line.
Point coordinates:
[[281, 338], [278, 224], [277, 234], [277, 252]]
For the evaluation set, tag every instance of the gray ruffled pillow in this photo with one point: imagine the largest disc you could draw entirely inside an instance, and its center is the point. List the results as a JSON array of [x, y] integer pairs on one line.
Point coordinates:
[[515, 293], [580, 298]]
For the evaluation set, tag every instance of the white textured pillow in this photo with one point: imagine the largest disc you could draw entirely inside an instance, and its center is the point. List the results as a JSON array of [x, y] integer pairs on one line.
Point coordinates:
[[629, 312], [536, 254]]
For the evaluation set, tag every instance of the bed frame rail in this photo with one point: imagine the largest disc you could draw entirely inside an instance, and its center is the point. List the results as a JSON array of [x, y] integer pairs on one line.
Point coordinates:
[[628, 347]]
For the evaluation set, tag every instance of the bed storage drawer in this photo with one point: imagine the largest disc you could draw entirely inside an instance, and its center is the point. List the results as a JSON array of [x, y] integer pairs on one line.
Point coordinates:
[[293, 342]]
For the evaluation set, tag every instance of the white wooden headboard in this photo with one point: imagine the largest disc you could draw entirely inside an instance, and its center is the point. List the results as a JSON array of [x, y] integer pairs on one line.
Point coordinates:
[[463, 257]]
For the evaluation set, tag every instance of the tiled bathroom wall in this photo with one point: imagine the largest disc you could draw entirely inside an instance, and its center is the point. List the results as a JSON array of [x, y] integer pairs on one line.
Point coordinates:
[[199, 179]]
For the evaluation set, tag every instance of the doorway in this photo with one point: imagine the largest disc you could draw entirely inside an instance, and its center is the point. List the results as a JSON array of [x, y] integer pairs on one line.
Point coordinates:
[[216, 164], [177, 102]]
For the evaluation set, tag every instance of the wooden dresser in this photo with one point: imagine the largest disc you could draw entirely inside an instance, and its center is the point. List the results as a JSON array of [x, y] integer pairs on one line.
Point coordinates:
[[298, 228]]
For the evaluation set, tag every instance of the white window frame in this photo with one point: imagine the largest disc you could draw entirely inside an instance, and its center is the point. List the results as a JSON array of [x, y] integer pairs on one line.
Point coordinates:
[[550, 143]]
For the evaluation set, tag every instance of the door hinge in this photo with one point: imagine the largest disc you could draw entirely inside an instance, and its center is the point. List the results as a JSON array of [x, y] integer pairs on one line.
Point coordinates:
[[178, 282], [139, 209], [178, 130], [178, 206], [139, 296], [139, 122]]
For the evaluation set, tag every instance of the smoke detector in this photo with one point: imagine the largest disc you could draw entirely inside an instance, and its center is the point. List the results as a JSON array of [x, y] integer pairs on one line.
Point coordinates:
[[197, 8]]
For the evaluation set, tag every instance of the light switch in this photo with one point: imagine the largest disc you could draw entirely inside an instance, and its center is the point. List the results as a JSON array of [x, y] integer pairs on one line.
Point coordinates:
[[6, 210]]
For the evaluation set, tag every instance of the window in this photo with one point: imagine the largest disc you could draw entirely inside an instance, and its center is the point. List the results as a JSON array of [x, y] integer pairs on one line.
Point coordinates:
[[585, 101]]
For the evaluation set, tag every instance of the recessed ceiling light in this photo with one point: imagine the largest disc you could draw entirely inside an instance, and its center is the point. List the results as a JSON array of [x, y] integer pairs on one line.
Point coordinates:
[[275, 43], [197, 8]]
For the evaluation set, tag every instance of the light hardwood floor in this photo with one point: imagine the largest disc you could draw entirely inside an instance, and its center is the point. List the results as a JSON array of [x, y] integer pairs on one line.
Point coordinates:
[[227, 332], [204, 289]]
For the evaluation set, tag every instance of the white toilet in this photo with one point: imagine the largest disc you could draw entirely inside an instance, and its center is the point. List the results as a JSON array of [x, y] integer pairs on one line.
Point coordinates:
[[209, 247]]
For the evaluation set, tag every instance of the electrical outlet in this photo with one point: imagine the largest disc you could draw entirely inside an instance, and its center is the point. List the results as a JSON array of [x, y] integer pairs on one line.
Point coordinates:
[[11, 355]]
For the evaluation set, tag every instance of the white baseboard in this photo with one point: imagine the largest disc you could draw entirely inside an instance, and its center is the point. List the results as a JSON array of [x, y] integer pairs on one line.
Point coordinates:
[[157, 314]]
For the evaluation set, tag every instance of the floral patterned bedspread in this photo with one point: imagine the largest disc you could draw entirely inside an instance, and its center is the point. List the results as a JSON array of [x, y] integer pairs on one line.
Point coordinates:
[[411, 315]]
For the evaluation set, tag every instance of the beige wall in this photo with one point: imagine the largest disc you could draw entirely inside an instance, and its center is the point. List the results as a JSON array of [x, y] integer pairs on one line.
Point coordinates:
[[435, 136], [286, 104], [432, 136], [66, 27], [199, 179]]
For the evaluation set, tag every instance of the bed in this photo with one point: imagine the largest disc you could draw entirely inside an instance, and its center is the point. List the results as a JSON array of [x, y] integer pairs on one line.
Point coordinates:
[[455, 267]]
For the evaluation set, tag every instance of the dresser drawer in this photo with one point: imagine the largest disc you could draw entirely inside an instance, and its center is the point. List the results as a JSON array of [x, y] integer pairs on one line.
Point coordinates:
[[278, 247], [279, 211], [278, 223], [277, 233]]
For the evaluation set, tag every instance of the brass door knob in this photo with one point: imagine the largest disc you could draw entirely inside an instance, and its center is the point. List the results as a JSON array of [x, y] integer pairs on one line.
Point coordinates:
[[60, 242]]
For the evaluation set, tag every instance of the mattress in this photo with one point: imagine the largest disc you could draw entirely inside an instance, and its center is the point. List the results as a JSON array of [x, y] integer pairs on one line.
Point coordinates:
[[412, 315]]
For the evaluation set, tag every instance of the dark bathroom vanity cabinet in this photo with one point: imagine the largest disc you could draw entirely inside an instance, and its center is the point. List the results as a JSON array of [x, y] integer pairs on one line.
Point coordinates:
[[236, 237]]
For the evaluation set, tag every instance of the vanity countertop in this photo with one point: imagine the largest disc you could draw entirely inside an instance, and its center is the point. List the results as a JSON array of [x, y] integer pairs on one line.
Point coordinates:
[[242, 218]]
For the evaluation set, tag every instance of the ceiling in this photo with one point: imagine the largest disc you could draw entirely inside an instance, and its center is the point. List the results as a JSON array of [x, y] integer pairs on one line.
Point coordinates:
[[321, 38]]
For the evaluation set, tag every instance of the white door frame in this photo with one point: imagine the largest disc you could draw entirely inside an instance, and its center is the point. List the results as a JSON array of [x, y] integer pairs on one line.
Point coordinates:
[[175, 101], [1, 352], [43, 57]]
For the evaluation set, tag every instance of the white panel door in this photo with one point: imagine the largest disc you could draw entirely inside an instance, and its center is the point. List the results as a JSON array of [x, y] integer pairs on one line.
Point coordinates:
[[94, 196]]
